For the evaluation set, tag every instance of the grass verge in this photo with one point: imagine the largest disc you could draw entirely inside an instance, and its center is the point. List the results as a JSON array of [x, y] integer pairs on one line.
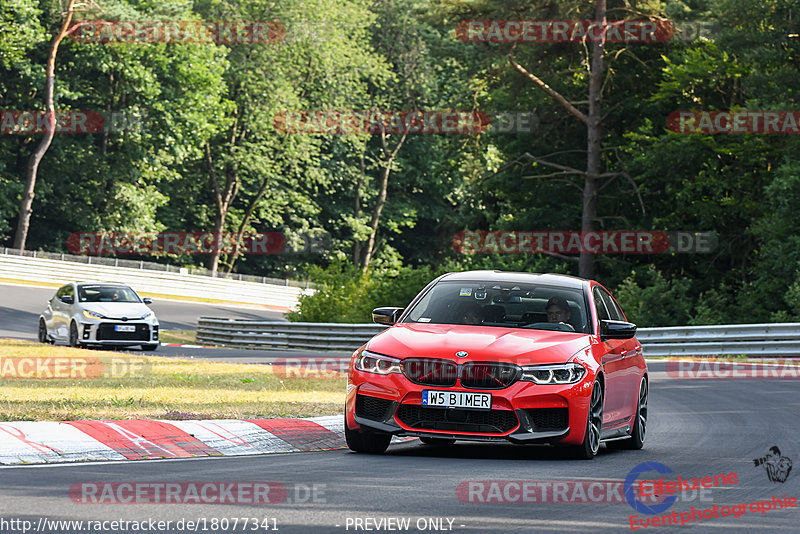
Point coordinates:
[[180, 337], [131, 386]]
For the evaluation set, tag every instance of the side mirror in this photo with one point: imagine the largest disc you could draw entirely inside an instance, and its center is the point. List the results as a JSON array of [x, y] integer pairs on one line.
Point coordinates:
[[147, 300], [616, 329], [387, 316], [67, 299]]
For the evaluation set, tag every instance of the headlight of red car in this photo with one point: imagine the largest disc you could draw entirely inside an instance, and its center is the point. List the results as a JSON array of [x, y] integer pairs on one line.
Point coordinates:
[[563, 373], [376, 363]]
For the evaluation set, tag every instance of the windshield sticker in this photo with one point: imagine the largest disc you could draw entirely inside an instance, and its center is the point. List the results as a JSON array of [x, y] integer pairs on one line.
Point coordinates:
[[424, 319], [465, 292]]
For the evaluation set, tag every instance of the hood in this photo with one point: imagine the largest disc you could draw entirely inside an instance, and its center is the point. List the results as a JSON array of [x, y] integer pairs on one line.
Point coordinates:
[[116, 310], [482, 343]]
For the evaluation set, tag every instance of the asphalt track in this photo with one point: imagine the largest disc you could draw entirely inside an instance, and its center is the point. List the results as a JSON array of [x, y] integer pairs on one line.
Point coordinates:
[[697, 428]]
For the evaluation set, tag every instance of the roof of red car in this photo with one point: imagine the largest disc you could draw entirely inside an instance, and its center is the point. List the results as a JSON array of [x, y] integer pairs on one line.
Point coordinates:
[[508, 276]]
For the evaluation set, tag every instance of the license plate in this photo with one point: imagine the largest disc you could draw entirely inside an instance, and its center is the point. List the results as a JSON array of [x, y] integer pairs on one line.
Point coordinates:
[[125, 328], [457, 399]]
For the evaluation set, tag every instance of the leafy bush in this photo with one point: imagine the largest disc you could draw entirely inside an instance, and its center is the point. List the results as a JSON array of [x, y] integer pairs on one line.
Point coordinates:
[[346, 295], [650, 299]]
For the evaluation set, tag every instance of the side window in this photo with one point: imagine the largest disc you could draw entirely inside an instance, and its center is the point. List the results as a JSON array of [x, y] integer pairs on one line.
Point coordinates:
[[66, 290], [613, 309], [602, 313]]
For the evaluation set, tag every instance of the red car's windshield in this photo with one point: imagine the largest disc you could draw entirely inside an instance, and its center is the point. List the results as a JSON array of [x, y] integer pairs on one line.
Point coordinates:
[[502, 304]]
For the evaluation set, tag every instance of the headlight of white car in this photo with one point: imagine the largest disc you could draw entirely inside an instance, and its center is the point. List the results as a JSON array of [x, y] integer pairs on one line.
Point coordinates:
[[93, 315], [146, 315]]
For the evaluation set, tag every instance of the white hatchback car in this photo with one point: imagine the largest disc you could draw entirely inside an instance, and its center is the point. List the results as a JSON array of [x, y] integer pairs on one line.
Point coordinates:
[[99, 314]]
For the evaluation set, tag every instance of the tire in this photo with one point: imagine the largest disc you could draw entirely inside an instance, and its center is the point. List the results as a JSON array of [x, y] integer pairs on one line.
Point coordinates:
[[594, 423], [636, 441], [366, 442], [73, 335], [437, 442], [43, 338], [149, 347]]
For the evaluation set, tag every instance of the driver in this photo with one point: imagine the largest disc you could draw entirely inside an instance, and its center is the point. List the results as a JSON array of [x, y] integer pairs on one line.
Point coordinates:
[[470, 312], [558, 311]]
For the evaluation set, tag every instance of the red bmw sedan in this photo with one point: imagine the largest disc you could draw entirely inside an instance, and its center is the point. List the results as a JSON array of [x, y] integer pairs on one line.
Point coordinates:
[[501, 356]]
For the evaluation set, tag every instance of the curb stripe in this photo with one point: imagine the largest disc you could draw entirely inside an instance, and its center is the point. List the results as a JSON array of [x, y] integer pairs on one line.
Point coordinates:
[[137, 439], [301, 433], [234, 437]]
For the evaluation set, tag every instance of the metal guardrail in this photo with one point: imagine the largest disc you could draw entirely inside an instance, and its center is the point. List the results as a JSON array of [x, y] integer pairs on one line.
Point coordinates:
[[779, 339], [244, 333]]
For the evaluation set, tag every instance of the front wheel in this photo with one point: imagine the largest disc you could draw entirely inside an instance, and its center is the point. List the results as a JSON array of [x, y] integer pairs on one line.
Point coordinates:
[[43, 332], [594, 422], [368, 442], [636, 441], [73, 335]]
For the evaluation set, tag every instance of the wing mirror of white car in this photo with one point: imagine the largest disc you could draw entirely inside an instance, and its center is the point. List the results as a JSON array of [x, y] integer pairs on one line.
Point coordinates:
[[147, 300], [67, 299]]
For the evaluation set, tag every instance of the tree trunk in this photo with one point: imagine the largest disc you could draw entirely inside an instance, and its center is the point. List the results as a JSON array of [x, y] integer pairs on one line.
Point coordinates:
[[359, 185], [593, 146], [223, 200], [593, 149], [26, 206], [245, 221], [383, 186]]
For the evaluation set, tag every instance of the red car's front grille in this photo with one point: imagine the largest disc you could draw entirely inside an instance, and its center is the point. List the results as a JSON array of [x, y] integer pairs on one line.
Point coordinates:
[[430, 371], [457, 419], [476, 375], [489, 375]]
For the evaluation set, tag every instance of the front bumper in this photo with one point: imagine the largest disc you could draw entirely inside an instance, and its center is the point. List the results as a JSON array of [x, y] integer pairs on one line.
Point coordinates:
[[103, 333], [521, 413]]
